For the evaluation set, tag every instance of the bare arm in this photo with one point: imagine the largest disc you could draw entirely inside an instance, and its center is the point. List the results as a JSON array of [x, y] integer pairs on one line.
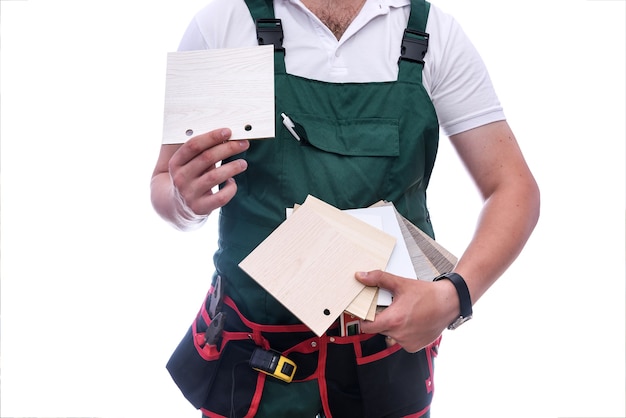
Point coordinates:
[[422, 310], [186, 174], [511, 203]]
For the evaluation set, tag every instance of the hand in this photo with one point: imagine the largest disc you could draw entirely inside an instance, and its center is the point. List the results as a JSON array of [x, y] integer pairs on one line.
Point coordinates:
[[194, 171], [419, 313]]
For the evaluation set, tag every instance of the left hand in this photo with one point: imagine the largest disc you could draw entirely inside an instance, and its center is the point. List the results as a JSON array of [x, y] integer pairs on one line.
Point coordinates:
[[419, 313]]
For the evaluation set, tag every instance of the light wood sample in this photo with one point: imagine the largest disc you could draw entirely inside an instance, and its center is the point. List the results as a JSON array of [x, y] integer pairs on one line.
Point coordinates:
[[220, 88], [308, 262]]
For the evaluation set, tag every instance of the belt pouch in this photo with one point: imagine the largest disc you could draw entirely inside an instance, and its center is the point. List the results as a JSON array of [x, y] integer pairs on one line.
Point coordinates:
[[208, 377], [193, 374], [342, 385], [394, 382]]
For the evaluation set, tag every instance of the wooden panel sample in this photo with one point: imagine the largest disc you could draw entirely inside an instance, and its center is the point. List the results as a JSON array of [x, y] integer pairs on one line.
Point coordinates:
[[367, 296], [220, 88], [308, 262], [428, 257]]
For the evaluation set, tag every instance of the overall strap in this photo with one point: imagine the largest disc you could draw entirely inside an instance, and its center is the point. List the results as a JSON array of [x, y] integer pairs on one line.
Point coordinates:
[[414, 43], [260, 8], [269, 30], [419, 15]]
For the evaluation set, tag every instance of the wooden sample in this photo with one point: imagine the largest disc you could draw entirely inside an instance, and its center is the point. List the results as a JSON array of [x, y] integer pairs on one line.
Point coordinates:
[[308, 262], [365, 301], [428, 257], [220, 88]]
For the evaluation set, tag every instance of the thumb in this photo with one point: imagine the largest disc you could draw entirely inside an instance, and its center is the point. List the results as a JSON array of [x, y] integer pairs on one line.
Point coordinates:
[[378, 278]]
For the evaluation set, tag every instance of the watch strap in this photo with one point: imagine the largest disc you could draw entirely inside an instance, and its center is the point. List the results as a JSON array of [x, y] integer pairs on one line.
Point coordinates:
[[465, 299]]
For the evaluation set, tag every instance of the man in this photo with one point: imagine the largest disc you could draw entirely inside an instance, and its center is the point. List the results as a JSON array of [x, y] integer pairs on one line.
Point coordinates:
[[370, 108]]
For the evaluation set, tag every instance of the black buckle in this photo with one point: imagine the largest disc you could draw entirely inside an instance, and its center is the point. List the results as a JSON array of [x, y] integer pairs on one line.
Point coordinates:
[[270, 31], [414, 46]]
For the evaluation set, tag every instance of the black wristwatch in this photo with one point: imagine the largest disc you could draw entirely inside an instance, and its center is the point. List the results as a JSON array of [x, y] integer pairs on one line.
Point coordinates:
[[464, 298]]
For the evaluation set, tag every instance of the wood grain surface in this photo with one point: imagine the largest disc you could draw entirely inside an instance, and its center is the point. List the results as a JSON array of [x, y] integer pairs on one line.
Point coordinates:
[[219, 88]]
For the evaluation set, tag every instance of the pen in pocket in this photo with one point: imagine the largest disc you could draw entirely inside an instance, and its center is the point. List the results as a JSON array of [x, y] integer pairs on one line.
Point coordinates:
[[295, 129]]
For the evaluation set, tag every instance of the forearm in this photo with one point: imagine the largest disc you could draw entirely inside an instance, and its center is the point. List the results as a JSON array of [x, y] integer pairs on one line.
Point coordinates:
[[170, 206], [506, 221]]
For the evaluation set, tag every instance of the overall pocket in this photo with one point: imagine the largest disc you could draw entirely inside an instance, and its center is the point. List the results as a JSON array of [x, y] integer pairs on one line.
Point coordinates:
[[341, 160]]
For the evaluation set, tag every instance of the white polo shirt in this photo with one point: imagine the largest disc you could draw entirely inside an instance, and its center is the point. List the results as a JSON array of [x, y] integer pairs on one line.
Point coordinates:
[[454, 74]]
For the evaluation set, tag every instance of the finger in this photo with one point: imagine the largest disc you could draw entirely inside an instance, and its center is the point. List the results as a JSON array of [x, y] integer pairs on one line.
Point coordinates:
[[210, 201], [220, 198], [374, 327], [216, 153], [209, 148], [380, 325], [380, 279], [199, 143], [189, 173], [210, 157], [216, 176]]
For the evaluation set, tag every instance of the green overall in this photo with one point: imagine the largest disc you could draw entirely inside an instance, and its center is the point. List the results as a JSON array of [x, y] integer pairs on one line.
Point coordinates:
[[366, 142]]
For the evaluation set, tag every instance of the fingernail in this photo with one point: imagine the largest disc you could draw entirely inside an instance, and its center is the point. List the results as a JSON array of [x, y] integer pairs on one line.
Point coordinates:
[[243, 164], [225, 133], [361, 274], [243, 144]]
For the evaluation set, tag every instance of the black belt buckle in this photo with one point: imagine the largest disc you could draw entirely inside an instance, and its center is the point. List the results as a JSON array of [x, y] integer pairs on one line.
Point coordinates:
[[414, 46], [270, 31]]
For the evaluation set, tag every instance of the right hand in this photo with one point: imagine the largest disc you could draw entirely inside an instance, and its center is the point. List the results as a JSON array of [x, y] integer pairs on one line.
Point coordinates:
[[194, 172]]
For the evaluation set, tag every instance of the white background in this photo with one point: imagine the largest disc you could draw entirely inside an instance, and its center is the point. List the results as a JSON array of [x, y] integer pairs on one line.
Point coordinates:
[[97, 290]]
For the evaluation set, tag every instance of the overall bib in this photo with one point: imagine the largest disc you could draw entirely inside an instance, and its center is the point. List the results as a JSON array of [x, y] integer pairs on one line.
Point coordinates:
[[362, 143]]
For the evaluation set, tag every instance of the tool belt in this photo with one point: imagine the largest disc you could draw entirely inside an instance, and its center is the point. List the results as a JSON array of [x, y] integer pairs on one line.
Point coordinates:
[[358, 375]]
